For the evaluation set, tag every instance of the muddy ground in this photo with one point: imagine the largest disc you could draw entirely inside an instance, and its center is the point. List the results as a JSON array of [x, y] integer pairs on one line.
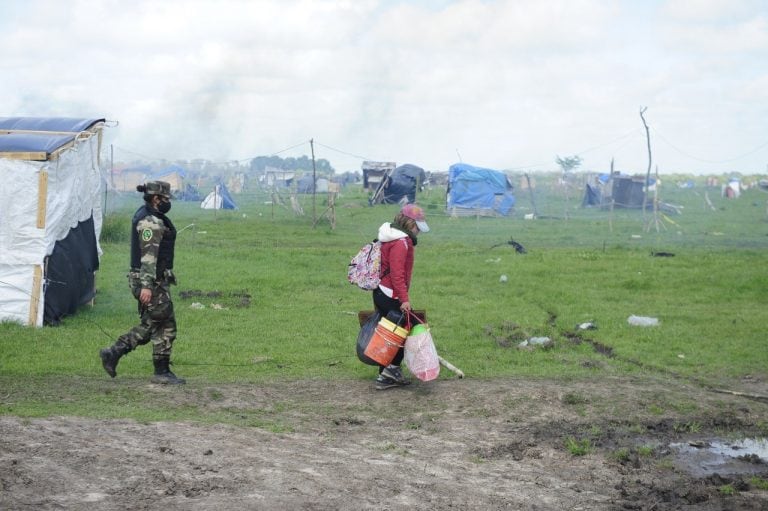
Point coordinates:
[[448, 444]]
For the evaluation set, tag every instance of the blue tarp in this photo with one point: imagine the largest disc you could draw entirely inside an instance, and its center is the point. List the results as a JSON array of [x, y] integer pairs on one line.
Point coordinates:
[[40, 142], [177, 169], [67, 124], [32, 142], [478, 188]]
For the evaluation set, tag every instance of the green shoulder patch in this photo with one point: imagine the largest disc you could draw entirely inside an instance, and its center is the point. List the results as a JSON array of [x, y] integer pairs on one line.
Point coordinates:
[[146, 234]]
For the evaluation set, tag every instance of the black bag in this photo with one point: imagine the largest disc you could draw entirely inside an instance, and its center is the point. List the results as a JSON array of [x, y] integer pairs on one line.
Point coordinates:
[[364, 337]]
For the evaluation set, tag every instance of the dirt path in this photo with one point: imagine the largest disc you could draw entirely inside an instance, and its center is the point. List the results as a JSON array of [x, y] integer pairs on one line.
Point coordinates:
[[450, 444]]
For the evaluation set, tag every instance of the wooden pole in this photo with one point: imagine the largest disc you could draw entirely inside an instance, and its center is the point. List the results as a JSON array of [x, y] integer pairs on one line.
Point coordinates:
[[111, 175], [530, 191], [648, 172], [314, 183], [450, 367]]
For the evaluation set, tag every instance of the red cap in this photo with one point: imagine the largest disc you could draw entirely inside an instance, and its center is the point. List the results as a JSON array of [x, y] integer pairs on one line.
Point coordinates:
[[416, 213]]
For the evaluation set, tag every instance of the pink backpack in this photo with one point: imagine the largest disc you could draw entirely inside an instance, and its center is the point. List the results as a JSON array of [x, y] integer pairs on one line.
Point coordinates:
[[364, 269]]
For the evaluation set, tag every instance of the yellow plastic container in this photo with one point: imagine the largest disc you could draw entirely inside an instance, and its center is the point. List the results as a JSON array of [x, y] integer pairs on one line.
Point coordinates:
[[392, 327]]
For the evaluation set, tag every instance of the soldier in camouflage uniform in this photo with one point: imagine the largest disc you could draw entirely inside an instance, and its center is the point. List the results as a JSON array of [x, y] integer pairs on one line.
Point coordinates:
[[153, 239]]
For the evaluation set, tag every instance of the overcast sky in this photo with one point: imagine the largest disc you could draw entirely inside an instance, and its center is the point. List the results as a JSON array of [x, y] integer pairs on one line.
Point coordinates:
[[499, 84]]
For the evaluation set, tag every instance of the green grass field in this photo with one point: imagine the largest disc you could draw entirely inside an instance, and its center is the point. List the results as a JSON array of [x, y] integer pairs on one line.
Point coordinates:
[[277, 304]]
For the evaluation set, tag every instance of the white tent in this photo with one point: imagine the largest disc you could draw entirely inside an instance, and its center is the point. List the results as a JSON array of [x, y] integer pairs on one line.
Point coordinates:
[[50, 216], [219, 198]]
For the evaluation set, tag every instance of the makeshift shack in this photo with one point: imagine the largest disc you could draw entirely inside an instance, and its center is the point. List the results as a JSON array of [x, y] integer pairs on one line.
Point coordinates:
[[616, 190], [374, 173], [278, 178], [174, 175], [304, 185], [50, 216]]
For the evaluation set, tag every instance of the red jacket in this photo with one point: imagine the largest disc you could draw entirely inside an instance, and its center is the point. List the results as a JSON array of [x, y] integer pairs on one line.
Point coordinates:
[[397, 267]]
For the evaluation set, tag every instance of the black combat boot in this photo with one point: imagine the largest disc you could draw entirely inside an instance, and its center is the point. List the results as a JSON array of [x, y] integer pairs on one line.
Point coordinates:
[[163, 374], [111, 356]]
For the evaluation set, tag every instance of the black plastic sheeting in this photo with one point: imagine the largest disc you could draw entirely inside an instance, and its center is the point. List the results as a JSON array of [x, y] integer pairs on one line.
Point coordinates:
[[70, 273], [628, 193], [404, 181]]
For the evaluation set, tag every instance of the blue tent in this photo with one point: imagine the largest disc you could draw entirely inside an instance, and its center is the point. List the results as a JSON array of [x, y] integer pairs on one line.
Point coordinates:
[[478, 191]]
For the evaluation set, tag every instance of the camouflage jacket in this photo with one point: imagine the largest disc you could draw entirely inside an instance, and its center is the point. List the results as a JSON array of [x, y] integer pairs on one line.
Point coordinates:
[[153, 239]]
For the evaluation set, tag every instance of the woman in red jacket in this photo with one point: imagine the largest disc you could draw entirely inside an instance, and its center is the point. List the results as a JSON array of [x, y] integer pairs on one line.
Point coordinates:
[[398, 240]]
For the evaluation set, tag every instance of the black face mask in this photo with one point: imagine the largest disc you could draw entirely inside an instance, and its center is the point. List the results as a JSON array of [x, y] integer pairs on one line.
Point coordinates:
[[164, 207]]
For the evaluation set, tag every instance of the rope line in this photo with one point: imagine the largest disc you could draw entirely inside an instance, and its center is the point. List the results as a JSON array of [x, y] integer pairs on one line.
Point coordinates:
[[728, 160]]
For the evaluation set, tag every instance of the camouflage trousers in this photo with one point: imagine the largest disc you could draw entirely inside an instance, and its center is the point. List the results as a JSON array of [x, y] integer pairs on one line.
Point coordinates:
[[157, 320]]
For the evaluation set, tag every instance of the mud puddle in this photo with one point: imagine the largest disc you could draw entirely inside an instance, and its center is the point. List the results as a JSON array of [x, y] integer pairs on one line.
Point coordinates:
[[707, 457]]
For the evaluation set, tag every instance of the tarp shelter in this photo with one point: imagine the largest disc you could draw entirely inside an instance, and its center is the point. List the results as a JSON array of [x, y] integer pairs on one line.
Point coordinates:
[[279, 178], [174, 175], [219, 198], [596, 190], [399, 185], [478, 191], [304, 185], [50, 216], [374, 173]]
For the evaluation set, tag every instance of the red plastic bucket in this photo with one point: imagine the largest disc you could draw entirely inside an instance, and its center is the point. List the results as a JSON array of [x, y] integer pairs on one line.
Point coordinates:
[[385, 342]]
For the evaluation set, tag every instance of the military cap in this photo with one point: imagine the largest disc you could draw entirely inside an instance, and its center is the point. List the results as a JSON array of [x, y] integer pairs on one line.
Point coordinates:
[[158, 188]]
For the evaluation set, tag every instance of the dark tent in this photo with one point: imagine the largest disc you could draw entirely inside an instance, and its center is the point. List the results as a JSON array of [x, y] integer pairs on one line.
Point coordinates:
[[400, 184]]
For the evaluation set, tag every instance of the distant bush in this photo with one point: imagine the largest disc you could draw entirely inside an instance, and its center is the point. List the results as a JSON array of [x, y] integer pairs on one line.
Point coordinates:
[[115, 228]]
